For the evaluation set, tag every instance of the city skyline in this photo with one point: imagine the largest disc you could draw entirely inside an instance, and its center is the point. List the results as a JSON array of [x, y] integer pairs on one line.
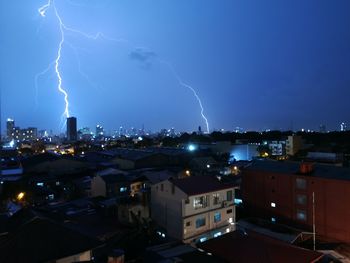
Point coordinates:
[[248, 70]]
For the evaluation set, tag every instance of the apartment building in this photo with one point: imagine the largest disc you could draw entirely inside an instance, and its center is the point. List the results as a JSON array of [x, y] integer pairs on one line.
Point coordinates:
[[193, 209], [301, 194]]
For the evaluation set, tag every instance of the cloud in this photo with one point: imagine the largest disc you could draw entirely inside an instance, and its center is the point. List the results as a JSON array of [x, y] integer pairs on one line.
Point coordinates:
[[143, 56]]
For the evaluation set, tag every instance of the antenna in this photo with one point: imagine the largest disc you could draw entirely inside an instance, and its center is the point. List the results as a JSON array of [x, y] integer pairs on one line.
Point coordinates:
[[313, 220]]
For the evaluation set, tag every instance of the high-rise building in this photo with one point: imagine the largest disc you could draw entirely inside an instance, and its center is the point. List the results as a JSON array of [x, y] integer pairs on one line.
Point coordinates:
[[323, 128], [343, 126], [99, 130], [10, 126], [72, 129]]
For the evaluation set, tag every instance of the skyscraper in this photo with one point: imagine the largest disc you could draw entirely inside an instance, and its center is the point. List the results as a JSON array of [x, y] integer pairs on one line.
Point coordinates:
[[72, 129], [343, 126], [10, 126]]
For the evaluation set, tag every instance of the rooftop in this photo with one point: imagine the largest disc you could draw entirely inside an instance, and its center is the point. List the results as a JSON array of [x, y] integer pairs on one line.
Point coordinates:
[[249, 246], [320, 170], [195, 185]]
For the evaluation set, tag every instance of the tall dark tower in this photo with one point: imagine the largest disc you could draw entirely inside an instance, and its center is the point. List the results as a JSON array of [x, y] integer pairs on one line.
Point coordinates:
[[72, 129]]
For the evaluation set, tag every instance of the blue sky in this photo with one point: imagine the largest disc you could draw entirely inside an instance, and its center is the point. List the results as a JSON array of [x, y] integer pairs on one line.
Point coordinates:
[[254, 64]]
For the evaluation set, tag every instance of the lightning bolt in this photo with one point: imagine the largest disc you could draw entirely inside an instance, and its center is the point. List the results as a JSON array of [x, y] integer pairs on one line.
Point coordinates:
[[99, 35], [42, 11], [172, 69]]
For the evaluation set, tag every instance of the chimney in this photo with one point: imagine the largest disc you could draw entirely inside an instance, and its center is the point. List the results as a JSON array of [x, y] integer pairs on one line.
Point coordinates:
[[306, 168]]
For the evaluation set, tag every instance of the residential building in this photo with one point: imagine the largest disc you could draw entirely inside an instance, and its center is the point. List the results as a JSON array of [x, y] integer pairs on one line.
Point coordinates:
[[293, 144], [300, 194], [110, 183], [193, 209]]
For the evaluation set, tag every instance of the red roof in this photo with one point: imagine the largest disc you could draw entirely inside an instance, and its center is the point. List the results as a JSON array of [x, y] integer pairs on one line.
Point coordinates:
[[249, 246], [194, 185]]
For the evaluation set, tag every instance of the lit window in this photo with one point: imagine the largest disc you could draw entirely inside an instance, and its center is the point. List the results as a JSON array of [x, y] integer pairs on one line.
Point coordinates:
[[301, 199], [202, 239], [200, 222], [217, 217], [273, 219], [123, 189], [217, 234], [300, 183], [200, 202], [301, 215], [273, 204]]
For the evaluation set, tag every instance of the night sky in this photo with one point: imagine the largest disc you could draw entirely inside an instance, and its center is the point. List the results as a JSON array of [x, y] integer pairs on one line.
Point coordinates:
[[254, 64]]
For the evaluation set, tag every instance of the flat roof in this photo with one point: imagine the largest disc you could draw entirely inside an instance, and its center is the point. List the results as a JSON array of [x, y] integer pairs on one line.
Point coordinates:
[[292, 168]]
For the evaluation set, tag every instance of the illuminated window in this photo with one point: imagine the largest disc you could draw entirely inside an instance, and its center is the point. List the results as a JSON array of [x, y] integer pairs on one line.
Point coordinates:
[[216, 198], [217, 217], [273, 219], [123, 189], [273, 204], [200, 202], [217, 234], [301, 199], [300, 183], [202, 239], [301, 215], [200, 222]]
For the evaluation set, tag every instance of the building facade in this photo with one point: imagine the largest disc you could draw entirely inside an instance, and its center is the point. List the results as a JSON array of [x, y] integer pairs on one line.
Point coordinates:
[[193, 209], [300, 194], [72, 129]]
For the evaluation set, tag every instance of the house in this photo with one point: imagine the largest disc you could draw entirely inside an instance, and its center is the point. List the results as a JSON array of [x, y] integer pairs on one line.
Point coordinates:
[[300, 194], [193, 209], [39, 239], [249, 246], [128, 159], [110, 183]]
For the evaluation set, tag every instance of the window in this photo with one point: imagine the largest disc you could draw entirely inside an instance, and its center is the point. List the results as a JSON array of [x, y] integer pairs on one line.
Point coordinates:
[[273, 219], [301, 215], [273, 204], [301, 199], [217, 217], [161, 187], [123, 189], [217, 234], [216, 198], [229, 195], [200, 202], [172, 188], [300, 183], [200, 222], [187, 201], [188, 223], [229, 211]]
